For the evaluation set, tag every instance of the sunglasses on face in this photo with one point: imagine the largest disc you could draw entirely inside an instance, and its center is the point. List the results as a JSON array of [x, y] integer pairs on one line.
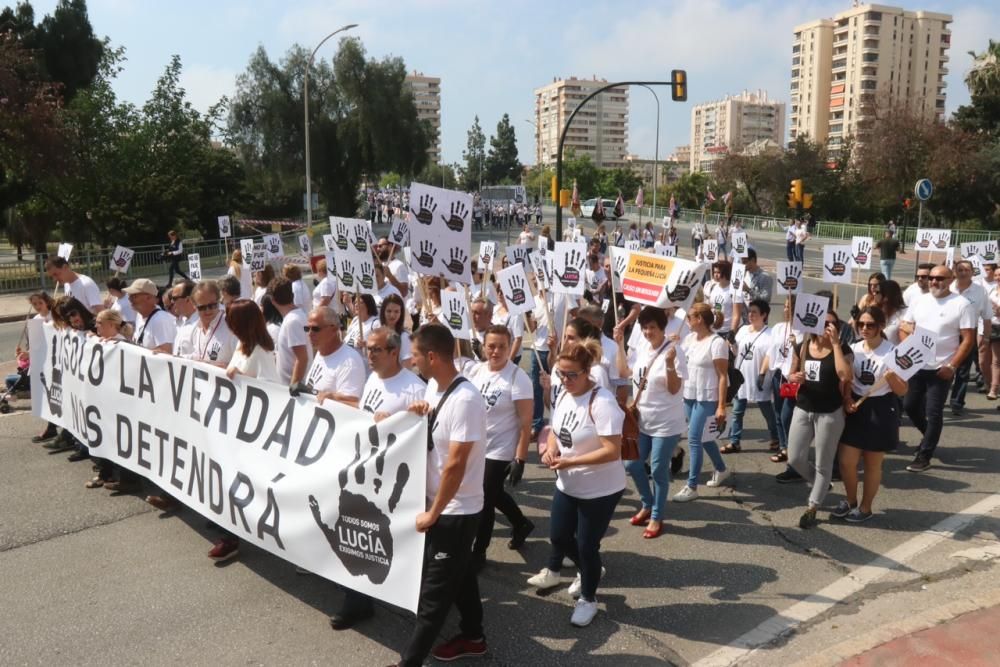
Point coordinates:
[[205, 307], [309, 329], [867, 325], [938, 279], [568, 375]]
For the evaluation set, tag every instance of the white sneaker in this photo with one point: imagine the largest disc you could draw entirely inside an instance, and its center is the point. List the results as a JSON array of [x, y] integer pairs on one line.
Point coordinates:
[[686, 494], [574, 588], [718, 478], [583, 613], [568, 563], [545, 579]]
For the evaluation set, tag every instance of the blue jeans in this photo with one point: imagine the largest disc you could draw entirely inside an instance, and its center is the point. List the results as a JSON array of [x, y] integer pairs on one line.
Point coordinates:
[[800, 253], [662, 449], [886, 266], [576, 528], [699, 412], [790, 250], [924, 405], [740, 408], [783, 408], [538, 414], [961, 381]]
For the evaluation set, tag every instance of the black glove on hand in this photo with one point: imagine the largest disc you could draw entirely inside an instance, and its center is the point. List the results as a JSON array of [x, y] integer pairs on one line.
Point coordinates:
[[760, 382], [515, 470]]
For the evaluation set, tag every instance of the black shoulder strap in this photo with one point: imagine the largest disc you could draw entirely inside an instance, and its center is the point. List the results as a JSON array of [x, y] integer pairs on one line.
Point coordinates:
[[434, 414], [142, 334]]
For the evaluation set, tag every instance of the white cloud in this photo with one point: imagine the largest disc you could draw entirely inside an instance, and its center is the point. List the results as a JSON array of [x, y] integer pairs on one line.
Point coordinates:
[[206, 84]]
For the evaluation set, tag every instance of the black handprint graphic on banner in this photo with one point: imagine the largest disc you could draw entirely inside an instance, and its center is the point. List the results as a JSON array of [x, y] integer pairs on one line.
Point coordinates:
[[861, 253], [342, 241], [54, 389], [367, 278], [940, 242], [456, 319], [273, 244], [867, 375], [812, 315], [517, 295], [426, 256], [570, 422], [360, 241], [519, 255], [122, 259], [425, 211], [620, 264], [990, 251], [400, 233], [457, 262], [347, 274], [790, 282], [710, 254], [362, 537], [739, 244], [571, 276], [456, 221], [924, 241], [909, 359], [682, 290], [839, 267]]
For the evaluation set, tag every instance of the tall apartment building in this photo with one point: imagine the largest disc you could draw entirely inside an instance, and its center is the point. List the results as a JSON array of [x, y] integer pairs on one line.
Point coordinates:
[[730, 125], [866, 58], [427, 97], [599, 131]]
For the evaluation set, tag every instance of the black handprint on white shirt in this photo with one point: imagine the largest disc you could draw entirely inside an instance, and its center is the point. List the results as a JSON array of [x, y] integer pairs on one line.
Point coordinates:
[[867, 374], [570, 422], [372, 400]]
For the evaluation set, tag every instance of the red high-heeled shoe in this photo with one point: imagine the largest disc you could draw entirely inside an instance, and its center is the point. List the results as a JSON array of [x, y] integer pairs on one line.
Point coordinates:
[[651, 533], [641, 518]]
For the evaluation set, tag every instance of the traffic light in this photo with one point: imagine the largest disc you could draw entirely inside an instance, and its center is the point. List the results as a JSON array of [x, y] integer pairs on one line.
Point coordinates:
[[554, 191], [807, 200], [795, 194], [564, 198], [678, 85], [791, 201]]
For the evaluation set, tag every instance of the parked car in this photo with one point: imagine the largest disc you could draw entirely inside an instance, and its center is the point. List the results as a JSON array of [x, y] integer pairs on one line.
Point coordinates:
[[587, 208]]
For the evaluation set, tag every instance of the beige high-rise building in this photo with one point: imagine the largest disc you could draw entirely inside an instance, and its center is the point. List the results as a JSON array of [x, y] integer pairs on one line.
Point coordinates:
[[427, 97], [730, 125], [867, 58], [599, 131]]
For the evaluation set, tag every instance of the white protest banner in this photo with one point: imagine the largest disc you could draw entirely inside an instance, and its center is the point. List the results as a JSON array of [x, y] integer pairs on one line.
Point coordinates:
[[740, 243], [538, 265], [837, 264], [518, 254], [65, 250], [323, 487], [487, 253], [619, 262], [258, 260], [971, 248], [861, 251], [633, 245], [949, 257], [710, 250], [440, 232], [788, 276], [682, 285], [737, 275], [330, 242], [578, 236], [910, 355], [305, 245], [400, 233], [711, 431], [810, 314], [194, 266], [455, 314], [352, 249], [989, 252], [246, 249], [514, 284], [664, 250], [571, 223], [645, 278], [930, 240], [121, 259], [273, 246], [977, 265], [225, 228], [568, 263]]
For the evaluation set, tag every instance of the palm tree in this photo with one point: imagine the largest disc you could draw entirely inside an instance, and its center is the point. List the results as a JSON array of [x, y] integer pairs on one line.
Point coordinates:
[[984, 77]]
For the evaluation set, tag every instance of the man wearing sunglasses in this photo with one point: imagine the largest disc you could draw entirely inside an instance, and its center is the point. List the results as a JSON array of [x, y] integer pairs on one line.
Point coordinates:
[[211, 340], [337, 371], [951, 320], [920, 285]]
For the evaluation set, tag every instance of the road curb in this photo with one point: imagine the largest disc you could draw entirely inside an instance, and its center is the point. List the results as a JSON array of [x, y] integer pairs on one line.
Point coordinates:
[[851, 648]]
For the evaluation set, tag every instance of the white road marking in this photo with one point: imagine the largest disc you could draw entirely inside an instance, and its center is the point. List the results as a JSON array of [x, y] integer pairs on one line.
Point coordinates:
[[800, 612]]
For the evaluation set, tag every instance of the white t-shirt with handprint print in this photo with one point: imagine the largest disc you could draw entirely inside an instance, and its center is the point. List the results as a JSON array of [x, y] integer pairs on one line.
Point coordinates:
[[462, 419], [393, 394], [499, 390], [577, 434], [341, 372], [868, 368], [661, 413]]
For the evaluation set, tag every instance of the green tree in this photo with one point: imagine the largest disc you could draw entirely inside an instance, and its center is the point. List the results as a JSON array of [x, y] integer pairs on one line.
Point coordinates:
[[474, 157], [584, 173], [502, 165], [624, 180], [440, 175], [539, 180]]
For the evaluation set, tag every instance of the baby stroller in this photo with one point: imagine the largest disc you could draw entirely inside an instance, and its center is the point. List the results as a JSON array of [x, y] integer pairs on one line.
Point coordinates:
[[17, 383]]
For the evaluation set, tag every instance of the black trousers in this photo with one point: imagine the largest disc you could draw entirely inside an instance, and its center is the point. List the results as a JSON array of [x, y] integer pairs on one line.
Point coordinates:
[[447, 579], [495, 497], [175, 268]]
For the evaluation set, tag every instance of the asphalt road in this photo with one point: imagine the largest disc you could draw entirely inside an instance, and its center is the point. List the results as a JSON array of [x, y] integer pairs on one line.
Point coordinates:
[[90, 578]]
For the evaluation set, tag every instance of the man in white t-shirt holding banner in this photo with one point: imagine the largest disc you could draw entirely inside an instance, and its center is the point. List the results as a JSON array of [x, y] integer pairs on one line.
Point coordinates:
[[80, 287], [951, 318], [456, 462]]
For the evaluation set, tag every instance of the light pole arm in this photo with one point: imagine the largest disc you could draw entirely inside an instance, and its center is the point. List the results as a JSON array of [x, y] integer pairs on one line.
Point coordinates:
[[569, 121]]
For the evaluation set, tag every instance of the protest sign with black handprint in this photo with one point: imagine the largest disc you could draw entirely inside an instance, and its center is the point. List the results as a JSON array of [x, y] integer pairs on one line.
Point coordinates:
[[570, 422], [861, 252], [456, 220], [908, 358], [487, 251], [924, 239], [740, 244], [425, 257], [456, 263], [686, 282], [810, 318], [400, 234], [426, 206], [789, 277], [517, 290], [838, 263], [572, 267], [455, 314], [517, 254], [347, 274], [367, 278], [362, 538], [866, 375], [989, 251], [710, 250], [942, 239], [121, 259], [360, 240], [342, 241]]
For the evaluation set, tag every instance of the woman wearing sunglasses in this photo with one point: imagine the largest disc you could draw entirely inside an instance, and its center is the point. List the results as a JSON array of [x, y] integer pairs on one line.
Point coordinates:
[[584, 450], [871, 428]]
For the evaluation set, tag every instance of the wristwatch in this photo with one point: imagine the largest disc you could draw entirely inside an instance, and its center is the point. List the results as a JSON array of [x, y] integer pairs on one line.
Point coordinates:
[[949, 365]]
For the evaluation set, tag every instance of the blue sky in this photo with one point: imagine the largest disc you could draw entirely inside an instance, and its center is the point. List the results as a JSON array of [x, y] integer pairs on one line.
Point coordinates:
[[491, 55]]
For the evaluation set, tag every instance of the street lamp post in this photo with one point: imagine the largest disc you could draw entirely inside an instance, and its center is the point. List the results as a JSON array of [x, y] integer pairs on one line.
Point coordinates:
[[562, 137], [656, 155], [541, 170], [309, 203]]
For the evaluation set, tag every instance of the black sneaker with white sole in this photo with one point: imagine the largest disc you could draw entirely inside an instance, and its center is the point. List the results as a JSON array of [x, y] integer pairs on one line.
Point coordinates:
[[920, 463]]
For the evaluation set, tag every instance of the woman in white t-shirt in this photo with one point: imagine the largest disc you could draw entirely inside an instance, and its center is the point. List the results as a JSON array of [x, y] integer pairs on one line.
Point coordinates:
[[705, 387], [778, 361], [525, 236], [720, 298], [584, 450], [872, 428], [751, 345], [300, 293], [254, 355], [514, 323], [507, 392], [261, 280], [390, 315], [658, 374], [365, 321]]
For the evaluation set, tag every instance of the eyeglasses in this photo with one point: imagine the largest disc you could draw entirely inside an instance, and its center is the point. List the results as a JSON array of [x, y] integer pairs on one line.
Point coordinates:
[[867, 325], [569, 375], [309, 329], [375, 350], [205, 307], [939, 279]]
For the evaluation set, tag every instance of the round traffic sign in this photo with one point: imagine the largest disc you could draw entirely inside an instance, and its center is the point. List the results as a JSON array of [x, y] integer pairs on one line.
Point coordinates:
[[923, 189]]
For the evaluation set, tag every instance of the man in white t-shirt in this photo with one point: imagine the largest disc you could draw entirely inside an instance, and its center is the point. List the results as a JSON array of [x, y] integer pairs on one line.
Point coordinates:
[[325, 292], [974, 293], [337, 372], [292, 349], [183, 309], [951, 320], [385, 288], [211, 339], [155, 329], [920, 285], [456, 462], [989, 283], [389, 389], [397, 275], [80, 287]]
